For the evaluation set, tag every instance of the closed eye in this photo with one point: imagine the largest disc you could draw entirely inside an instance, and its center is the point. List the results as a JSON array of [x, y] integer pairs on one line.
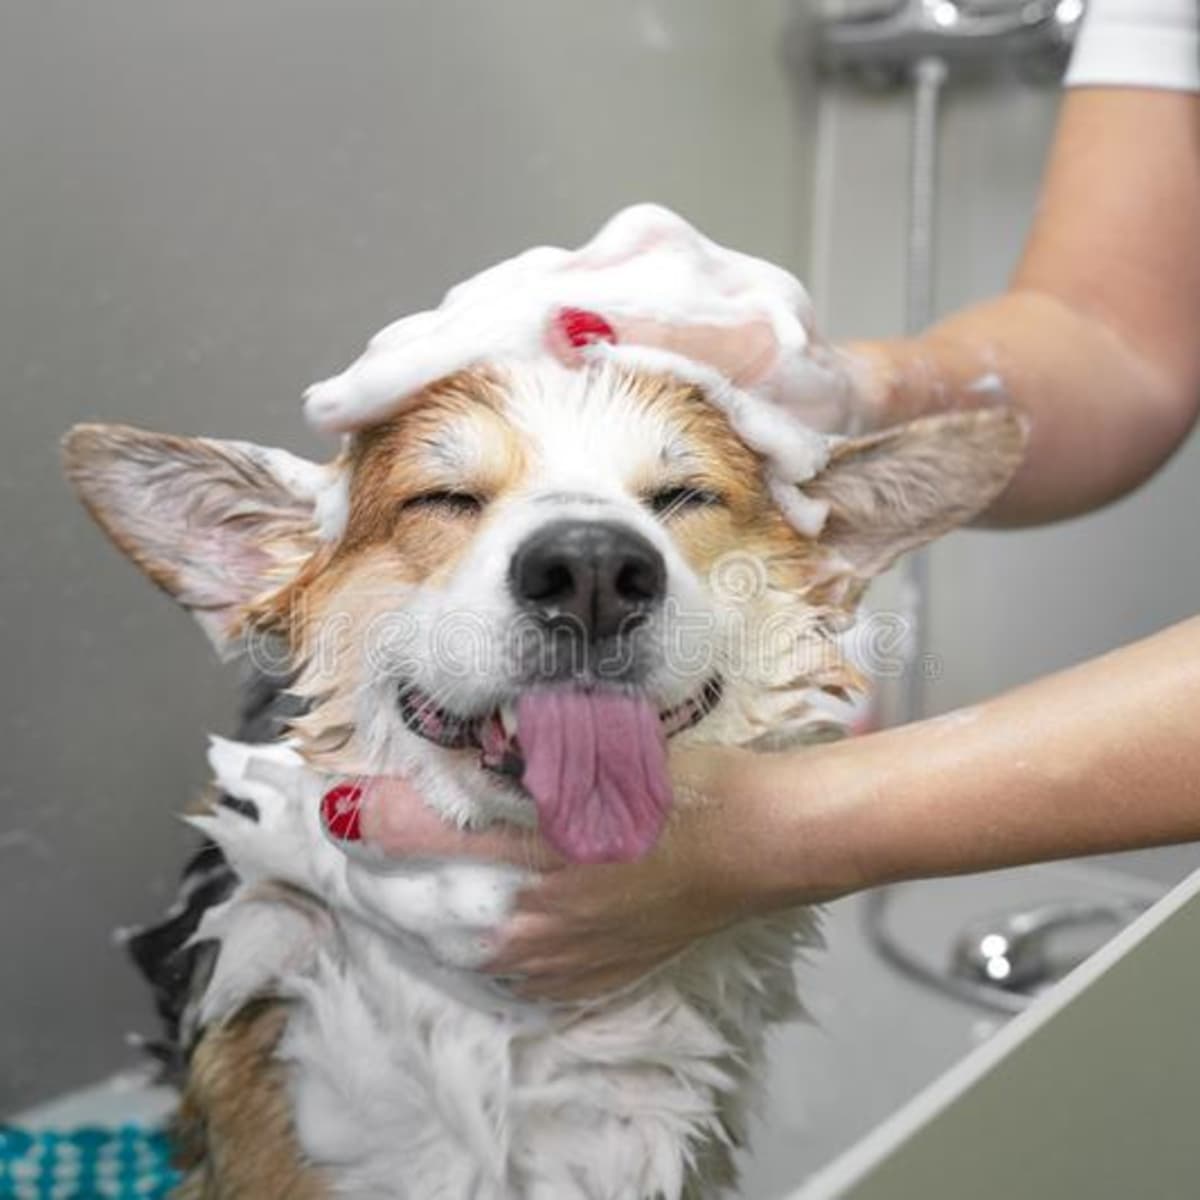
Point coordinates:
[[447, 503], [672, 501]]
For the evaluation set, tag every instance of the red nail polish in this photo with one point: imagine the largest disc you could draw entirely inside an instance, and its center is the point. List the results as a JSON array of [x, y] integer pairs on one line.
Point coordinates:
[[581, 327], [340, 808]]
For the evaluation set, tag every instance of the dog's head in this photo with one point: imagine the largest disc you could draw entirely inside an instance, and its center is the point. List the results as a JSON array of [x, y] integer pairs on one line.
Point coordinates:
[[519, 588]]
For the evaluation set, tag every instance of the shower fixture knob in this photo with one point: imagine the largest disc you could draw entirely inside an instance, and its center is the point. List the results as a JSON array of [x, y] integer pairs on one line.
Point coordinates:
[[884, 37]]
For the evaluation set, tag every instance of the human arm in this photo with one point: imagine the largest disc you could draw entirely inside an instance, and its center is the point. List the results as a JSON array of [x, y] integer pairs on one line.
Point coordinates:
[[1096, 337]]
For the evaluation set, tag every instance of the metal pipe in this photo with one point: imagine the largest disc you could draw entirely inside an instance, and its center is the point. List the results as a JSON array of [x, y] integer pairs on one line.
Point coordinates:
[[928, 77], [916, 41]]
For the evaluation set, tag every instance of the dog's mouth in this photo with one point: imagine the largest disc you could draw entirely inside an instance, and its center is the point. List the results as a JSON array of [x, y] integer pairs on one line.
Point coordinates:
[[593, 760], [494, 733]]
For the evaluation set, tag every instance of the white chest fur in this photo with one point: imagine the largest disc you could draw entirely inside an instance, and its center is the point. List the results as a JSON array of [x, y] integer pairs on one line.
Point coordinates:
[[413, 1076]]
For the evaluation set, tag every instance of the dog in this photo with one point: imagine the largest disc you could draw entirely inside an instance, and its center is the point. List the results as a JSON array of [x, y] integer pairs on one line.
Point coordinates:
[[528, 560]]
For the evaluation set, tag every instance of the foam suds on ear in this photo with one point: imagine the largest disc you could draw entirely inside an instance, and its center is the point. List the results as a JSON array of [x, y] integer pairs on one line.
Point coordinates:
[[325, 484], [331, 507], [645, 264]]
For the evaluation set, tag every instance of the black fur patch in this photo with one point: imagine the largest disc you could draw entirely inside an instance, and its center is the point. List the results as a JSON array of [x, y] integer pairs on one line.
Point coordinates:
[[176, 970]]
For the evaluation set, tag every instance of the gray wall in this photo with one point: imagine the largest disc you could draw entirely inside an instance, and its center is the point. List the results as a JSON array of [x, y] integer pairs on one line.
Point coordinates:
[[203, 207]]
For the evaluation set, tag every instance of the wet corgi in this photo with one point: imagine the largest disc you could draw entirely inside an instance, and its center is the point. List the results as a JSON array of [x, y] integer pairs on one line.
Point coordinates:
[[515, 593]]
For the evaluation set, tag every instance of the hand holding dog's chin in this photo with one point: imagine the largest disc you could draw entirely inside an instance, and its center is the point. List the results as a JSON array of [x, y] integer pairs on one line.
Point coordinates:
[[747, 836]]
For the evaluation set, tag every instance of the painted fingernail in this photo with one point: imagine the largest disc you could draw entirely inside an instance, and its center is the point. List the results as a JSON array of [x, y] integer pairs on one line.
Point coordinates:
[[581, 327], [340, 809]]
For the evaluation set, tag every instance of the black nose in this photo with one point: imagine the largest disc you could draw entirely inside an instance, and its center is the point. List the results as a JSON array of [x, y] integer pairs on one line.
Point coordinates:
[[598, 574]]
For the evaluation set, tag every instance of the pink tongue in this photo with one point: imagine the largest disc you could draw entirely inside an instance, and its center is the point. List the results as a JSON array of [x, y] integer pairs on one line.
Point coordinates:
[[596, 767]]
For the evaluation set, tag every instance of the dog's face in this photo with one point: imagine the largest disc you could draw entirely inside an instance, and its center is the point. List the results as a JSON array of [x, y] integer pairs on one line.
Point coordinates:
[[531, 567]]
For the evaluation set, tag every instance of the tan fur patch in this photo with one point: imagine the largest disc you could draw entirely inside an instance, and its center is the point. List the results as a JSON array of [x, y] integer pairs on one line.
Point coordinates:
[[392, 465], [234, 1126], [749, 521]]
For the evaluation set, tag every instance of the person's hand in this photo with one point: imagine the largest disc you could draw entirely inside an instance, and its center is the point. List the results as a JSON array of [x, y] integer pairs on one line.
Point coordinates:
[[586, 930], [744, 353], [583, 930]]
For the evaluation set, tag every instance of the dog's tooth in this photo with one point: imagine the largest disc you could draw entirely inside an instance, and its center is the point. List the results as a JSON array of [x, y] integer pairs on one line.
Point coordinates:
[[508, 717]]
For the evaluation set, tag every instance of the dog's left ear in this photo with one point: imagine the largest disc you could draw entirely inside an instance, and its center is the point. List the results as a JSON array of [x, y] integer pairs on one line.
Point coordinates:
[[215, 524], [893, 491]]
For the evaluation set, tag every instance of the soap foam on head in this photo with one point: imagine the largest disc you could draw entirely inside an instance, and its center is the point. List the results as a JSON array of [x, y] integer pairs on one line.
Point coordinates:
[[645, 263]]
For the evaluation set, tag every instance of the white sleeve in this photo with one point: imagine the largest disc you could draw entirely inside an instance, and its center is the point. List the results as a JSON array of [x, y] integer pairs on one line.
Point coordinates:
[[1138, 43]]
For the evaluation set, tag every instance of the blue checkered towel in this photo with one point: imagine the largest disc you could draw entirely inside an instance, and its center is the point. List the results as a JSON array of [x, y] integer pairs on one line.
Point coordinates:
[[89, 1163]]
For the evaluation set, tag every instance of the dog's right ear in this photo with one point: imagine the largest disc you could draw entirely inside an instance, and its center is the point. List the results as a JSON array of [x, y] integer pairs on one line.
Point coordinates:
[[215, 524], [889, 492]]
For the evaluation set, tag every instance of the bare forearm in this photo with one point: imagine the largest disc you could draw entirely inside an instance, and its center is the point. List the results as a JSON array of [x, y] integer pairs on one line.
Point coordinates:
[[1102, 418], [1095, 340], [1103, 757]]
